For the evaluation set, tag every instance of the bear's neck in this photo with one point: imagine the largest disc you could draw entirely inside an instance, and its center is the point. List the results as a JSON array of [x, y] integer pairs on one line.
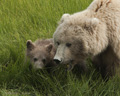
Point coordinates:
[[98, 41]]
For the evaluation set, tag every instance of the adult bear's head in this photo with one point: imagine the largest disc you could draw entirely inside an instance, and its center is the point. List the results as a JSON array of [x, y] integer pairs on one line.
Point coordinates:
[[77, 37]]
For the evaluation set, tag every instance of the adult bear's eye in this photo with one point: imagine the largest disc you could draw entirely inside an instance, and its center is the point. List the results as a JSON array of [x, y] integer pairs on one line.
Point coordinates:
[[35, 59], [68, 44], [58, 43]]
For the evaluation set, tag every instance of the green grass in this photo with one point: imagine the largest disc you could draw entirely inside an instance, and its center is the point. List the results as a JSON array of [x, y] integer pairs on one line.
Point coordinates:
[[21, 20]]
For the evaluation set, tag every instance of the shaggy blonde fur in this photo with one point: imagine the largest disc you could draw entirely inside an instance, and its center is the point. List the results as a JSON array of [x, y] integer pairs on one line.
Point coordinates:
[[97, 33]]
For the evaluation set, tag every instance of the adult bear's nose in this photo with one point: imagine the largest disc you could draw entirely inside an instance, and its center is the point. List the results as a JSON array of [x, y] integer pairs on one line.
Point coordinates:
[[57, 60]]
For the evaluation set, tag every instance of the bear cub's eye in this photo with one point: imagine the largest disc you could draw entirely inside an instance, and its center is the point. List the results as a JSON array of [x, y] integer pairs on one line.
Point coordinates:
[[43, 60], [57, 43], [68, 44], [35, 59]]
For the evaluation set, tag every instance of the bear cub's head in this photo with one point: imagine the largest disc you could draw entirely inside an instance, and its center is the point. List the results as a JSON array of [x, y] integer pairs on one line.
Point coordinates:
[[40, 53]]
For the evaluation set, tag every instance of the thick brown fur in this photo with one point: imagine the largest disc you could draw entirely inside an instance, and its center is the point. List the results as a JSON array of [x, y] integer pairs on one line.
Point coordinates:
[[41, 53], [107, 63]]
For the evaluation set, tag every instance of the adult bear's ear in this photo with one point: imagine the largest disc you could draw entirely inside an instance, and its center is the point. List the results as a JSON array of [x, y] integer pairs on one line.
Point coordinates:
[[30, 45], [91, 24], [49, 47], [94, 22], [63, 18]]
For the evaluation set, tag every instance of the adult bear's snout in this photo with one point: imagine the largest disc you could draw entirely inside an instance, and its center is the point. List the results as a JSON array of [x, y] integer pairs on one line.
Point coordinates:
[[57, 60]]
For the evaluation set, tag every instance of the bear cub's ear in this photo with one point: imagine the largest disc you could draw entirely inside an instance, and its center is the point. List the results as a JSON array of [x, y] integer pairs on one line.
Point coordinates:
[[30, 45], [64, 17], [49, 47]]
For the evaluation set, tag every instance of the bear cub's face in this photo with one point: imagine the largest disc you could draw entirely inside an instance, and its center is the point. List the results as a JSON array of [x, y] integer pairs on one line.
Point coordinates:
[[39, 56]]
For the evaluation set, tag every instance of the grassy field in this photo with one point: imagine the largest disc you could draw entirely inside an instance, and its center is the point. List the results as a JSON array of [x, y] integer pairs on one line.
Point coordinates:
[[21, 20]]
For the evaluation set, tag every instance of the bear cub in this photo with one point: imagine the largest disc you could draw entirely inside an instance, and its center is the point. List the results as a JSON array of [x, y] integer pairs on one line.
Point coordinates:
[[41, 53]]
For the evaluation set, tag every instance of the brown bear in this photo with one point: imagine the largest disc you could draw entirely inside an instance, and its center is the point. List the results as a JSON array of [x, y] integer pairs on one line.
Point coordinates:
[[94, 32], [41, 53]]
